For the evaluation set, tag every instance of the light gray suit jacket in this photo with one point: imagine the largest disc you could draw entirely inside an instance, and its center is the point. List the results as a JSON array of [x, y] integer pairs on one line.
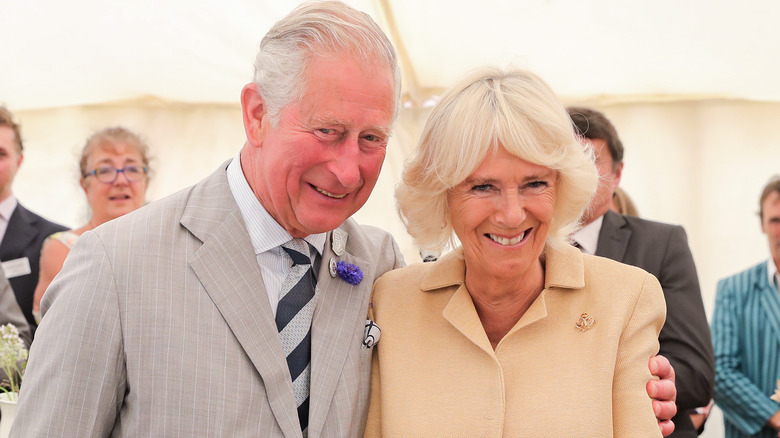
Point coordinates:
[[159, 325]]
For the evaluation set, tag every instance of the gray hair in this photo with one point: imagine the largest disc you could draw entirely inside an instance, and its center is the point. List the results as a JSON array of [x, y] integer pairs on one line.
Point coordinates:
[[316, 29]]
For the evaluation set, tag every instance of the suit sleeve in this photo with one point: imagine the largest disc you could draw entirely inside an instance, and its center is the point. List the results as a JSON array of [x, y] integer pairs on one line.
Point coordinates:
[[632, 409], [11, 313], [75, 379], [741, 400], [685, 338]]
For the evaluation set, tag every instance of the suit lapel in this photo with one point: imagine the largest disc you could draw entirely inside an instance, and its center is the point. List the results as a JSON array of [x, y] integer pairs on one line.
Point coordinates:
[[19, 234], [227, 268], [339, 314], [613, 237], [770, 301]]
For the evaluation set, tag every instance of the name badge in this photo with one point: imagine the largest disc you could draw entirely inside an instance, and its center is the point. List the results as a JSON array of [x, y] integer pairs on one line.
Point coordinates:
[[17, 267]]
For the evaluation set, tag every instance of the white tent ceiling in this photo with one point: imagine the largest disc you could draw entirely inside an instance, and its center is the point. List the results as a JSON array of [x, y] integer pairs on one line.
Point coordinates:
[[89, 51]]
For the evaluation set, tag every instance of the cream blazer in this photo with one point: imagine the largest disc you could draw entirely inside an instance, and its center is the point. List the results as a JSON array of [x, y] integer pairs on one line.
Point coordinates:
[[576, 364]]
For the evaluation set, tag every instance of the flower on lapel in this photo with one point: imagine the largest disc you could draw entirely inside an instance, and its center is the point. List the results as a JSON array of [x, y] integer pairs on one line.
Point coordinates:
[[372, 333], [349, 272]]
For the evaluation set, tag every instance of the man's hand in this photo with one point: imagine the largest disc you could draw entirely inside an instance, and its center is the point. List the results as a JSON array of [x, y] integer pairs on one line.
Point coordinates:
[[663, 392], [774, 421]]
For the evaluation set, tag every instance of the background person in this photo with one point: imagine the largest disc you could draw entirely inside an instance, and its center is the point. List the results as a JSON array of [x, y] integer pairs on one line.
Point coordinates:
[[622, 203], [661, 250], [114, 168], [22, 232], [746, 335], [516, 332]]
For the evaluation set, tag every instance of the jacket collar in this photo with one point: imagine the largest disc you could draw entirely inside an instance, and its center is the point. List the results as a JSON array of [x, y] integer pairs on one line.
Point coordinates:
[[564, 268]]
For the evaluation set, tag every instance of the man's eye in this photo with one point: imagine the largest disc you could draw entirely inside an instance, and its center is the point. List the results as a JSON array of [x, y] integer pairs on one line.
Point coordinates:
[[104, 170], [133, 169], [326, 131]]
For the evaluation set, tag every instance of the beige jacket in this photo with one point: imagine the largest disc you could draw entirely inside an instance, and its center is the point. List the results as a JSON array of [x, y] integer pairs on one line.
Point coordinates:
[[435, 373]]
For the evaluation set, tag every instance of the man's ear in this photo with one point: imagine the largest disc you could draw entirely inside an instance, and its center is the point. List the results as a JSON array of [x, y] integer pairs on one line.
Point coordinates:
[[254, 111], [616, 176]]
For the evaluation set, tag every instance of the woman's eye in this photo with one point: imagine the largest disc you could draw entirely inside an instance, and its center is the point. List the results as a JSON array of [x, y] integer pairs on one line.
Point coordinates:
[[537, 184], [481, 187]]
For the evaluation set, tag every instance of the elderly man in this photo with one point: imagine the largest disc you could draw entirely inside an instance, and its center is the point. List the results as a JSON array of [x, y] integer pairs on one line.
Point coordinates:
[[663, 251], [22, 232], [746, 335], [186, 317]]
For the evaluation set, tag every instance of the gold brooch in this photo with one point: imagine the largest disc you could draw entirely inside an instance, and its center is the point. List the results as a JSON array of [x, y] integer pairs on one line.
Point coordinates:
[[585, 322]]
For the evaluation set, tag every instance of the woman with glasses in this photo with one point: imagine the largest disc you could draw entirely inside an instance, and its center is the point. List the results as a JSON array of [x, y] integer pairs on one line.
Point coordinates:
[[114, 167]]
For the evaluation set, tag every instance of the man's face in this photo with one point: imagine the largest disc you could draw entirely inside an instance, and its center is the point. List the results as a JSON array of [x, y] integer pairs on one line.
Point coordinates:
[[770, 224], [10, 160], [609, 178], [319, 164]]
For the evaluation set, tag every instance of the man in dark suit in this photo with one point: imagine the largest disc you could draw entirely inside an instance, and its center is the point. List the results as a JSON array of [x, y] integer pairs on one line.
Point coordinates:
[[22, 232], [660, 249]]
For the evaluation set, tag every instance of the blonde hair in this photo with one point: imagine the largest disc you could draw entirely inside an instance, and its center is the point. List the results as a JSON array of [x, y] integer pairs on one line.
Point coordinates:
[[623, 203], [488, 108], [109, 138]]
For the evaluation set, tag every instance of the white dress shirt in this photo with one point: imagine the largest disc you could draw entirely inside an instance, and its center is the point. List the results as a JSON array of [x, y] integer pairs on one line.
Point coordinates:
[[588, 236], [265, 233], [7, 207], [774, 276]]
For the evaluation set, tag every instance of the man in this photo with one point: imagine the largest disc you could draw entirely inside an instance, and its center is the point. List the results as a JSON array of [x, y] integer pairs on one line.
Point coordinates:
[[22, 232], [10, 313], [663, 251], [746, 335], [166, 322]]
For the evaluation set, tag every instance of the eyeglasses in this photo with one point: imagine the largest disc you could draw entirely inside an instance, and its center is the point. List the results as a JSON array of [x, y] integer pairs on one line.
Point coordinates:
[[108, 174]]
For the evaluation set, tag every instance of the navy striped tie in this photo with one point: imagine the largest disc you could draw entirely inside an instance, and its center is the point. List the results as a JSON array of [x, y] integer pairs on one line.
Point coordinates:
[[293, 319]]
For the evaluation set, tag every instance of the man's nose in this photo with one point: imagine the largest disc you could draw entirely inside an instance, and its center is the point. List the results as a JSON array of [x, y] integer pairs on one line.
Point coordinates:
[[346, 162]]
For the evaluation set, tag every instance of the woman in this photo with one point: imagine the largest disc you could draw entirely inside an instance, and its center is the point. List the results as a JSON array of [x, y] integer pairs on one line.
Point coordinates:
[[516, 332], [114, 168]]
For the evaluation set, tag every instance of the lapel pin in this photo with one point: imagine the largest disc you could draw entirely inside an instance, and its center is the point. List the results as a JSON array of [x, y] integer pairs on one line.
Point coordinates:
[[332, 267], [338, 242], [585, 322]]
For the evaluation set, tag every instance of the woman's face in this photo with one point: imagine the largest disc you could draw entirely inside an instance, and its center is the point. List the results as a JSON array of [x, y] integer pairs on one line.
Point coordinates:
[[111, 200], [501, 213]]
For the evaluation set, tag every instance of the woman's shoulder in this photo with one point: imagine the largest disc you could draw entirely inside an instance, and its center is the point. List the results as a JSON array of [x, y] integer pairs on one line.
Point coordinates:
[[67, 238]]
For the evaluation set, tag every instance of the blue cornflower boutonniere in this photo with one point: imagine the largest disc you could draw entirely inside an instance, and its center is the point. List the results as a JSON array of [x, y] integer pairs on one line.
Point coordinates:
[[349, 272]]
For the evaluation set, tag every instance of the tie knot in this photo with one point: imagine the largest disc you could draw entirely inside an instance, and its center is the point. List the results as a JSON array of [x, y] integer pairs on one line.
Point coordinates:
[[298, 250]]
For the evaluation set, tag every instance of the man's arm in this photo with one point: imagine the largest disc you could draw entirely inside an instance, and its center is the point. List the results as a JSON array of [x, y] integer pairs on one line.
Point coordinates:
[[740, 399], [75, 379], [685, 338], [10, 312]]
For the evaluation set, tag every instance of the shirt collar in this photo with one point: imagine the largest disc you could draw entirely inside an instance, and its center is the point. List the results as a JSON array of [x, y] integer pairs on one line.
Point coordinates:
[[771, 270], [588, 236], [7, 207], [264, 232]]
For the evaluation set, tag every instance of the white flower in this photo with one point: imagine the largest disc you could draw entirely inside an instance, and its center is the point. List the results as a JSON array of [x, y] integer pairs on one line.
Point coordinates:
[[12, 352]]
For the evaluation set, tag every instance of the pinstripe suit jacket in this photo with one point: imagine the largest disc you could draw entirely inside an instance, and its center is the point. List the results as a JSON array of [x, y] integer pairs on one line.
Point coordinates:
[[746, 337], [159, 325]]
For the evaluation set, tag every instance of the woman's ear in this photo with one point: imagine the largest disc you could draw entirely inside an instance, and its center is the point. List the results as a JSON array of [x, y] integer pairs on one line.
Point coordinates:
[[254, 112]]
